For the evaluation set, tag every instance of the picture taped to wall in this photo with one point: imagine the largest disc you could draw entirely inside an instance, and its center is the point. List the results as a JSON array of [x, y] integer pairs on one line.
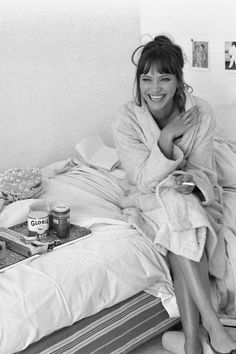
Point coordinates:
[[200, 55], [230, 55]]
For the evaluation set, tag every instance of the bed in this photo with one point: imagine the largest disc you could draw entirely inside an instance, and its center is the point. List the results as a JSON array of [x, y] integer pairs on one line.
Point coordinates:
[[106, 292], [109, 291]]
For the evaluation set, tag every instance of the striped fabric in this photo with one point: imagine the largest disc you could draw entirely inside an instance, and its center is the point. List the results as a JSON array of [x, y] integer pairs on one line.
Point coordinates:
[[115, 330]]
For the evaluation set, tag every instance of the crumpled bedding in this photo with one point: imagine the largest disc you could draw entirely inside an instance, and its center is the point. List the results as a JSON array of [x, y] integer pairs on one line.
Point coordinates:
[[72, 281], [80, 278]]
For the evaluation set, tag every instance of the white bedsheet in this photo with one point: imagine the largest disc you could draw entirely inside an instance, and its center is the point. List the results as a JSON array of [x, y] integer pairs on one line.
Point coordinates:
[[48, 292]]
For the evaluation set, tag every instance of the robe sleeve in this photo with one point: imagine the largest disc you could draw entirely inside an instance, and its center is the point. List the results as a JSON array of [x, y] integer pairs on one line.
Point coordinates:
[[201, 161], [144, 163]]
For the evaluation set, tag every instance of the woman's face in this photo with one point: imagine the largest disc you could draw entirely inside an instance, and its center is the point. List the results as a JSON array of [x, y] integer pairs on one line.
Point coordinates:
[[158, 90]]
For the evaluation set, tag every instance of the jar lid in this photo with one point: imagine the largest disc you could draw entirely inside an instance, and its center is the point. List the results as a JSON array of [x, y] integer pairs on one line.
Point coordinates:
[[61, 207], [37, 214]]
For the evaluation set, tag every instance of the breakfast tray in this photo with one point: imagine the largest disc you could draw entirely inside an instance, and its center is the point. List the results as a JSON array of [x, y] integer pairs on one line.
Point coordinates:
[[13, 257]]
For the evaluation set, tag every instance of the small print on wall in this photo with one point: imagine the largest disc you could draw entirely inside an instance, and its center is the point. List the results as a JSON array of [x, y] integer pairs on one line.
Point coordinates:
[[230, 55], [200, 55]]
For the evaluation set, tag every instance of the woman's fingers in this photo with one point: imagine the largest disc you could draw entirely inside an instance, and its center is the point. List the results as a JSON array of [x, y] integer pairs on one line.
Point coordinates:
[[190, 118], [192, 110], [185, 189], [182, 122], [184, 178]]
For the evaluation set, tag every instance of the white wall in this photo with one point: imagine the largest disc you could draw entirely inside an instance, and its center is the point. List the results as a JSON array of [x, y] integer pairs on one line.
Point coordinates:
[[64, 72], [65, 66], [202, 20]]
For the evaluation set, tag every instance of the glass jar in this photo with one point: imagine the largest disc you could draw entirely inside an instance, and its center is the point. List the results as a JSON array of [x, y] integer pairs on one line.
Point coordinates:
[[61, 219]]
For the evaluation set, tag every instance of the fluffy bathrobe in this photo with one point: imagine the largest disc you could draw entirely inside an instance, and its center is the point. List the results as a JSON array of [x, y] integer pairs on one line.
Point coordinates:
[[183, 224]]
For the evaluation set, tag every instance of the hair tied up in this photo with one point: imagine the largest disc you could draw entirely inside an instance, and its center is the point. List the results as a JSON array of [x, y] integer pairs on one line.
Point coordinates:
[[162, 41]]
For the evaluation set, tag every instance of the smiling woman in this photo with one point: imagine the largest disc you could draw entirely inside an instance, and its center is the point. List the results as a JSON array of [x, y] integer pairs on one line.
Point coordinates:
[[156, 57], [164, 139]]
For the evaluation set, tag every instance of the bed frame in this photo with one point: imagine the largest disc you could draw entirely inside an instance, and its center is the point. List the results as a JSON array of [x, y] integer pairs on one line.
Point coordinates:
[[115, 330]]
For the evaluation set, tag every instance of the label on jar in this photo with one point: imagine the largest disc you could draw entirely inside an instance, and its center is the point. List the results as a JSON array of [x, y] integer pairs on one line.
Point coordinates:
[[38, 224], [61, 226]]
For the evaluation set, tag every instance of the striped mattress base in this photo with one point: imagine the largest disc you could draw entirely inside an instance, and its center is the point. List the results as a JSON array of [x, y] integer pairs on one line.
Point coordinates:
[[115, 330]]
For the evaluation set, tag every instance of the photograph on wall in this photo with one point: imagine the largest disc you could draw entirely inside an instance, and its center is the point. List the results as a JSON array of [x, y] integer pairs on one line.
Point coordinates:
[[230, 55], [200, 55]]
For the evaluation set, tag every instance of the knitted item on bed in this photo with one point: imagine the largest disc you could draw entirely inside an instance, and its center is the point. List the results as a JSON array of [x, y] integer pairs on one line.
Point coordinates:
[[21, 183]]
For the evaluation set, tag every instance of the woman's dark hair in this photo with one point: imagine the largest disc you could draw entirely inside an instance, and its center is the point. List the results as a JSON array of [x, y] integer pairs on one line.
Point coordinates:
[[167, 58]]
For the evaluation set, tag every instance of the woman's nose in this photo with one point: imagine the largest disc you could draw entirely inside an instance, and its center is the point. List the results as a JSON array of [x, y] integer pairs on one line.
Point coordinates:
[[156, 86]]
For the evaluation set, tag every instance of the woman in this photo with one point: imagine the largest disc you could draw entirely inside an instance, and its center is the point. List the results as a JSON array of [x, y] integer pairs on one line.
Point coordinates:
[[164, 141]]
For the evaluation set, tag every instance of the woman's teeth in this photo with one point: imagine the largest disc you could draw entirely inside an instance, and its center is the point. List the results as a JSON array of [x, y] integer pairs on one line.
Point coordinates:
[[156, 97]]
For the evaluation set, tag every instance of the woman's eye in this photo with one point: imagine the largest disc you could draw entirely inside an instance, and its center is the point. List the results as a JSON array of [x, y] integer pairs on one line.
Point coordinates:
[[165, 79]]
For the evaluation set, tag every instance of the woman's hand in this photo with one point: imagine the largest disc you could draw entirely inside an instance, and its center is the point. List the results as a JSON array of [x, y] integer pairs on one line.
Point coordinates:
[[181, 123], [177, 127], [184, 183]]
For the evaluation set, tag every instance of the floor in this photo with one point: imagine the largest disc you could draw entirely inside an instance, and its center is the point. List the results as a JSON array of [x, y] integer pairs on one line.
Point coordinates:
[[154, 346]]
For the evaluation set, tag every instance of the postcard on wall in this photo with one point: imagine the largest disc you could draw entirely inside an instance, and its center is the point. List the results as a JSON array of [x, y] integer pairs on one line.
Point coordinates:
[[200, 55], [230, 56]]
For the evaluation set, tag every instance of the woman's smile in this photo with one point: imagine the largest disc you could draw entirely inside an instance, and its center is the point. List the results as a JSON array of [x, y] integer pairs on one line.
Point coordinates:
[[156, 98]]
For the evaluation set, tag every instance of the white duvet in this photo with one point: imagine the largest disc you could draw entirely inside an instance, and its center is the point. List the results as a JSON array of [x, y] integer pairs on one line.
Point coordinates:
[[76, 280]]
